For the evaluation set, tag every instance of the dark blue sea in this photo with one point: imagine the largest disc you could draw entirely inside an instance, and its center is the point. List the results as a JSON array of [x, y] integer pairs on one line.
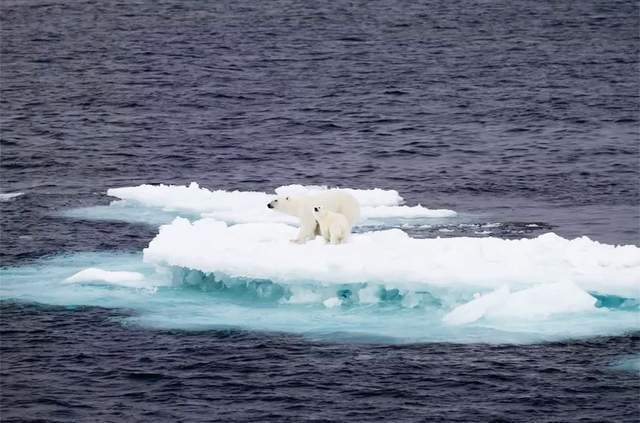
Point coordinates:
[[523, 113]]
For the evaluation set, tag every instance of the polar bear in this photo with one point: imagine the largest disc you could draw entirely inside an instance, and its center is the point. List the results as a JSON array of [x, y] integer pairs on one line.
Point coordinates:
[[301, 206], [334, 227]]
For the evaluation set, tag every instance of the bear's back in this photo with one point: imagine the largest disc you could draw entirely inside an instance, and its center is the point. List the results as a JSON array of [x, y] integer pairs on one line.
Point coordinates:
[[339, 201]]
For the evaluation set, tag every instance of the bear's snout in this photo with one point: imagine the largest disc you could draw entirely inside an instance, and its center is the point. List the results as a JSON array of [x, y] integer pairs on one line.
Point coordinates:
[[270, 205], [316, 209]]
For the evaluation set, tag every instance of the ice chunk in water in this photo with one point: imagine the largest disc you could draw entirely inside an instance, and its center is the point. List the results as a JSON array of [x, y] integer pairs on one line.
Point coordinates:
[[120, 278], [536, 302]]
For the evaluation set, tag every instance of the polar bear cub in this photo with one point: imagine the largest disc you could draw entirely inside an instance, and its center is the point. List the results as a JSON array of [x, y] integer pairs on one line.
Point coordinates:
[[334, 227], [301, 206]]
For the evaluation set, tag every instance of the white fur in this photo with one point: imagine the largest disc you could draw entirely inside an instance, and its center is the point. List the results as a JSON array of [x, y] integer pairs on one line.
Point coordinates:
[[334, 227], [301, 206]]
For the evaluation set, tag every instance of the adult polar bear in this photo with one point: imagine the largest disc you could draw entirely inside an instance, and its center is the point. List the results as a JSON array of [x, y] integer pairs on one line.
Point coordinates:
[[301, 206]]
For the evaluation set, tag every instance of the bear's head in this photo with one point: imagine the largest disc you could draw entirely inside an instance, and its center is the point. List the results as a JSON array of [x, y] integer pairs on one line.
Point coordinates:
[[287, 205], [319, 212]]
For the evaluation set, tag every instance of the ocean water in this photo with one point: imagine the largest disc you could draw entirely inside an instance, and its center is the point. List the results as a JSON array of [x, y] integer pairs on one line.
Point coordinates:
[[520, 116]]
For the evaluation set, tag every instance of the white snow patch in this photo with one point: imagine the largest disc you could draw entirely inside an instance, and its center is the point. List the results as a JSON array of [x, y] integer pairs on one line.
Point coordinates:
[[118, 278], [538, 302], [190, 198], [476, 308], [543, 301], [332, 302]]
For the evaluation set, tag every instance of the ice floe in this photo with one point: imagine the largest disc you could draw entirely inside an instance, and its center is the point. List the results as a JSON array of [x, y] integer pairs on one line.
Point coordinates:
[[391, 257], [250, 206], [537, 302], [223, 259]]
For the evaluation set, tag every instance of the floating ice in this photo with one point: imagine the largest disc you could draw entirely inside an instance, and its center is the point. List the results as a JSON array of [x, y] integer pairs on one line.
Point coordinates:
[[476, 308], [47, 281], [120, 278], [537, 302], [405, 212], [247, 206], [543, 301], [234, 266], [7, 196], [190, 198], [391, 257]]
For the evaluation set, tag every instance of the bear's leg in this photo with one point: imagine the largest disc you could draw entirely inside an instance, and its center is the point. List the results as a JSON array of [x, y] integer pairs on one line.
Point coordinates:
[[335, 236], [324, 231], [305, 233], [340, 234]]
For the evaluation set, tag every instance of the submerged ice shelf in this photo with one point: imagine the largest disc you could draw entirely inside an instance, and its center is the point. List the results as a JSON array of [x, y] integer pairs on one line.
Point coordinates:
[[176, 297], [227, 262], [117, 278]]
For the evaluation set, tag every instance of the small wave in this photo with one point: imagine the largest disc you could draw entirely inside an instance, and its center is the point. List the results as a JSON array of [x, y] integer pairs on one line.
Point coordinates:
[[4, 197]]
